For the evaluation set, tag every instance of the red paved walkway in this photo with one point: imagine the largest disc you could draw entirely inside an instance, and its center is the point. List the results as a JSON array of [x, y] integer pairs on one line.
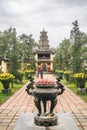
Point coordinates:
[[21, 102]]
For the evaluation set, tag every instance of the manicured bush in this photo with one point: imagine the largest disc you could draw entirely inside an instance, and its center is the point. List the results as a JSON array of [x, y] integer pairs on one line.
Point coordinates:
[[20, 75], [67, 75], [29, 72], [59, 73]]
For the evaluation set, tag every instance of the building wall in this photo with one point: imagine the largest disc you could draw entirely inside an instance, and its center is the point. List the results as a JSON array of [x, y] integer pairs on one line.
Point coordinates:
[[41, 62], [4, 66]]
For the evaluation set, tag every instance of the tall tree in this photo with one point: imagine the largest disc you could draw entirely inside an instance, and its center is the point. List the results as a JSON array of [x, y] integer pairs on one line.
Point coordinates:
[[63, 54], [76, 40], [65, 46], [14, 64], [58, 59], [8, 44], [28, 44]]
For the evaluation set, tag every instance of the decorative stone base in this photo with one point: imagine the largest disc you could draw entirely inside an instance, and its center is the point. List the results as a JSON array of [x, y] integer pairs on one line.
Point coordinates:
[[6, 90], [81, 90], [65, 122], [46, 120]]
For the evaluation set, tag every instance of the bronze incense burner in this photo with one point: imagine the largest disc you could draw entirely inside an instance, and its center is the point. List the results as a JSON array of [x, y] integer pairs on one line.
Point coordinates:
[[45, 91]]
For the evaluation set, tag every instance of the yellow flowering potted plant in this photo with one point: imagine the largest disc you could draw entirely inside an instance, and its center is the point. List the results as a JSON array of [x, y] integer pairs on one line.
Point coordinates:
[[6, 79], [81, 79]]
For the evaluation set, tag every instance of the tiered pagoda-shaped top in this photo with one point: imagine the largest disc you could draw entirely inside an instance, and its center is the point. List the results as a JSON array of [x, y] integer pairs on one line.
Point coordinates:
[[43, 42]]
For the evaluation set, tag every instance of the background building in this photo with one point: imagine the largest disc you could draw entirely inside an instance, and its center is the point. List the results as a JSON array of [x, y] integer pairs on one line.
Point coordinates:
[[4, 64], [44, 55]]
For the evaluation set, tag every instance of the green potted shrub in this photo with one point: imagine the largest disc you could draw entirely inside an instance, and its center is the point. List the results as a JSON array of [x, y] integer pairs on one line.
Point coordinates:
[[67, 75], [20, 75], [28, 73], [59, 73]]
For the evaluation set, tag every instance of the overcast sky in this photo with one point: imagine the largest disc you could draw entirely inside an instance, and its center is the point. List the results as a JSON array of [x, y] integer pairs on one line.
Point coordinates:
[[55, 16]]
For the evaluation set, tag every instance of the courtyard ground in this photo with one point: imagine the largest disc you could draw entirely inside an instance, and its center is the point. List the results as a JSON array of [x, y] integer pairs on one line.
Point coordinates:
[[21, 102]]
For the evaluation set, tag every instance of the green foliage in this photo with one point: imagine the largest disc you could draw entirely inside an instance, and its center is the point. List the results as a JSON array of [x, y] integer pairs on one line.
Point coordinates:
[[17, 50], [4, 97], [67, 75], [58, 60], [73, 87], [0, 71], [78, 39], [29, 72], [72, 53], [27, 46], [59, 73], [62, 57], [9, 48], [20, 75]]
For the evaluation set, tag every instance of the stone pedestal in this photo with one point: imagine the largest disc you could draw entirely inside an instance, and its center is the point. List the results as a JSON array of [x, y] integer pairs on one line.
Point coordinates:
[[6, 90], [46, 120], [65, 122]]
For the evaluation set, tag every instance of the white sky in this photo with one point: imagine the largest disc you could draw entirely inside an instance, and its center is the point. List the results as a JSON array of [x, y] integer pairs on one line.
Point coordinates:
[[55, 16]]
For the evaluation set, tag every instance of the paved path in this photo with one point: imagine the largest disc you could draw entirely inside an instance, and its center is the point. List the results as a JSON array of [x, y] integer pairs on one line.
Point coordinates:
[[21, 102]]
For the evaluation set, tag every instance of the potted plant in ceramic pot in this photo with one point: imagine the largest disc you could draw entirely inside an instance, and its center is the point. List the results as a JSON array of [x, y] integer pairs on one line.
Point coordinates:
[[81, 79], [6, 79]]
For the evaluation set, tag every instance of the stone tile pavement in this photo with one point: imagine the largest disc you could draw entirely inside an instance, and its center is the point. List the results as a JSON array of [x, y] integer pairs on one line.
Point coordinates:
[[21, 102]]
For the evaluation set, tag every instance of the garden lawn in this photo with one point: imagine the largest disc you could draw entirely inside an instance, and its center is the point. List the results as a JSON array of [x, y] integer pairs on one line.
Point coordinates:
[[73, 87], [4, 97]]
